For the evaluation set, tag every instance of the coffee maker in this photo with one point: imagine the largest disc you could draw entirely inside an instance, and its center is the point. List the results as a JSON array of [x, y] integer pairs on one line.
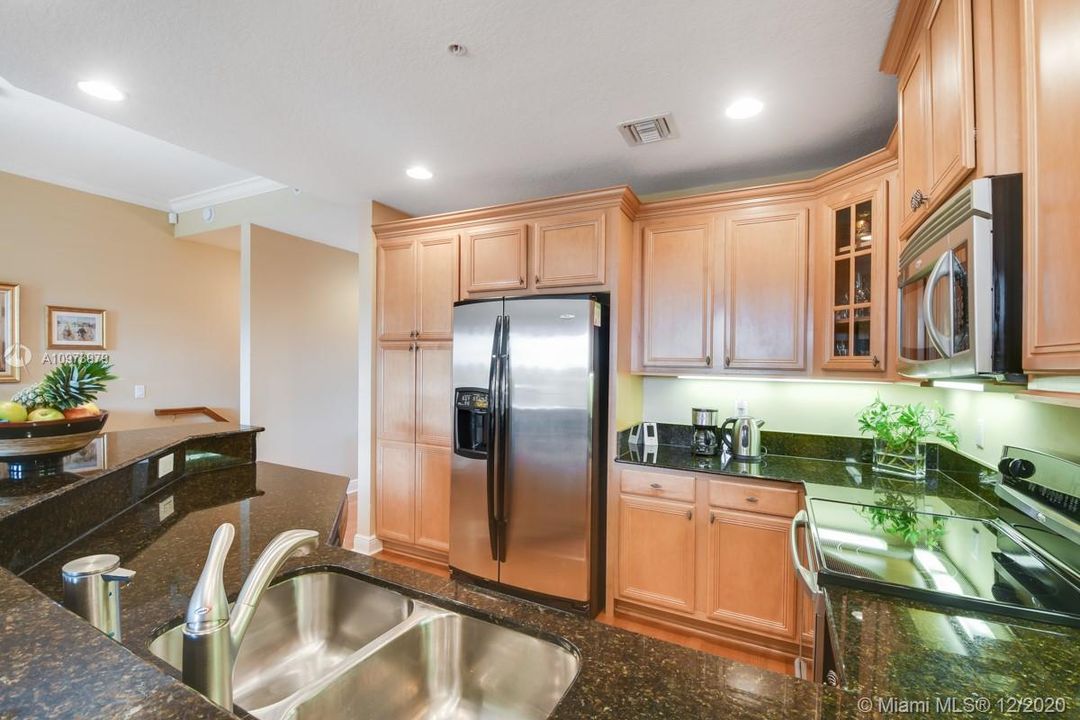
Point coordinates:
[[704, 440]]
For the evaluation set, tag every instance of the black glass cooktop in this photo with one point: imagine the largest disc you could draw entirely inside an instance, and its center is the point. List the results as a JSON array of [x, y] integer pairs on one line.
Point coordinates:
[[974, 564]]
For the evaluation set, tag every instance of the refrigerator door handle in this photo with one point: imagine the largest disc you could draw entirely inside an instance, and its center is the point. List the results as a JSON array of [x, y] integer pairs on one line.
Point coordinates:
[[493, 438], [502, 477]]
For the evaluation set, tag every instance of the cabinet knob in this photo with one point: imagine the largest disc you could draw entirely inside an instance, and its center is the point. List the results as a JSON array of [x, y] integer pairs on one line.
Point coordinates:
[[708, 360], [537, 279], [656, 486], [727, 361], [411, 347], [751, 499], [689, 514], [918, 199], [521, 280], [712, 518], [876, 361]]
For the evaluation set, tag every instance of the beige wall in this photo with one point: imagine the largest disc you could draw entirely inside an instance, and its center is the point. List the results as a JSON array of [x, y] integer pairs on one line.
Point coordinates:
[[174, 319], [830, 409], [304, 344]]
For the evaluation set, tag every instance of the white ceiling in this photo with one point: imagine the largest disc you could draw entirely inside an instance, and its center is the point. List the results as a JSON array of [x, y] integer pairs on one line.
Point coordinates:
[[338, 96], [46, 140]]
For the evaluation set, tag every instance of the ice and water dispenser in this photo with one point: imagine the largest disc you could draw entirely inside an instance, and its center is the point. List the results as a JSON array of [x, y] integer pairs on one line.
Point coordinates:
[[471, 418]]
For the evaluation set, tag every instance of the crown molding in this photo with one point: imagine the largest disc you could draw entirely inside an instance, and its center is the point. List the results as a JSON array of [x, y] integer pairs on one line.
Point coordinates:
[[904, 29], [238, 190], [620, 195]]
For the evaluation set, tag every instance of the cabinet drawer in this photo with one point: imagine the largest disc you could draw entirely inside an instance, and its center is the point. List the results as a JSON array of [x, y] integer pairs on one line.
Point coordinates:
[[670, 487], [754, 498]]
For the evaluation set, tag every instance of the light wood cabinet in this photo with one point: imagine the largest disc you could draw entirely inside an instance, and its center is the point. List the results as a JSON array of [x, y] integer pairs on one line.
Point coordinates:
[[750, 576], [569, 250], [677, 292], [395, 490], [766, 288], [413, 457], [1051, 77], [397, 290], [432, 490], [417, 287], [436, 288], [851, 277], [396, 400], [656, 552], [494, 258], [936, 95], [434, 393]]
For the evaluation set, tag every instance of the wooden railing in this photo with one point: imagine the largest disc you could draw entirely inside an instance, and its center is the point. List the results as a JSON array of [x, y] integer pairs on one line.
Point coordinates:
[[212, 414]]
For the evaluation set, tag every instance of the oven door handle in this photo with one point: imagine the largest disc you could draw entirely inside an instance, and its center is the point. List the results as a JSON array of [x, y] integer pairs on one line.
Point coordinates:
[[941, 268], [801, 519]]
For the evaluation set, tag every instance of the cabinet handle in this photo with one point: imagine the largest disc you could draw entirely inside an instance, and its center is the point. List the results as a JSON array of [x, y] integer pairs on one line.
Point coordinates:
[[727, 361], [708, 360], [876, 361], [689, 514], [751, 499], [537, 279], [712, 518], [411, 347], [918, 199], [656, 486], [521, 280]]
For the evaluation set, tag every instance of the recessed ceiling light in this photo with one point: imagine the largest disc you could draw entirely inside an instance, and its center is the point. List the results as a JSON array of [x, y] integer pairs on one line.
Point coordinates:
[[743, 108], [102, 90], [417, 172]]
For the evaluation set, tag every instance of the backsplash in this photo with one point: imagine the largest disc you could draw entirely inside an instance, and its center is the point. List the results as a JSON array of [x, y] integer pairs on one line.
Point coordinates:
[[822, 447], [823, 408]]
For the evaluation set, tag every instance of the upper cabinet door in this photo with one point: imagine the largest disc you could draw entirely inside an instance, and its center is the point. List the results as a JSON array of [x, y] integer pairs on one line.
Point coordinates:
[[952, 96], [494, 258], [1051, 185], [912, 123], [851, 280], [676, 292], [397, 289], [568, 250], [766, 288], [437, 286]]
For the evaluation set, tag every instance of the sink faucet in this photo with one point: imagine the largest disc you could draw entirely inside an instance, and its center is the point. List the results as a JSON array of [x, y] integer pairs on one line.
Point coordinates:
[[212, 635]]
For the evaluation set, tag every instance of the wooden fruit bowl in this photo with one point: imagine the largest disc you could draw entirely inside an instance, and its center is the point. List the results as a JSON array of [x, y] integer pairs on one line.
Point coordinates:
[[38, 442]]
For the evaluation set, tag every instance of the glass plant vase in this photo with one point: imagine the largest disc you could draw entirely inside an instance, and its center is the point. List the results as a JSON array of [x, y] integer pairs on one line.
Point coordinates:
[[908, 462]]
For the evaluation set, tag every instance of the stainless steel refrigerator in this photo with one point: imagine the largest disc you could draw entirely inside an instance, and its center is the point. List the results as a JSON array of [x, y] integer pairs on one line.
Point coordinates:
[[527, 477]]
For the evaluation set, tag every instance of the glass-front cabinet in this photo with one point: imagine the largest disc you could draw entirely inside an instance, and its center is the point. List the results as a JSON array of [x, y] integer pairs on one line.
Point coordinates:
[[854, 254]]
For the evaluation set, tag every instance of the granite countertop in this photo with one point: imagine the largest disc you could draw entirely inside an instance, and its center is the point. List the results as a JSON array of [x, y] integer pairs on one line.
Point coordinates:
[[623, 674], [110, 452]]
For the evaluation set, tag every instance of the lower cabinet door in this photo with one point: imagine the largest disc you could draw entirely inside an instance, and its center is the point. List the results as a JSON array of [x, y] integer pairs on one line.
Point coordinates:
[[656, 552], [433, 498], [751, 580], [395, 479]]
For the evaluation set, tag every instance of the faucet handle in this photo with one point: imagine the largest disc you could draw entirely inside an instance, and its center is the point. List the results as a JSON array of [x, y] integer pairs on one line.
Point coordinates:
[[209, 604]]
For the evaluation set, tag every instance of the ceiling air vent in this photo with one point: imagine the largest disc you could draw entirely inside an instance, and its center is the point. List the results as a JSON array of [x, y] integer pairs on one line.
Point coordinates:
[[648, 130]]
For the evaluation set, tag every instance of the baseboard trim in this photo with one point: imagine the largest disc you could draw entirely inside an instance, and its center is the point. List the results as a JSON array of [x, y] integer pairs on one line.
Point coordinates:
[[366, 544]]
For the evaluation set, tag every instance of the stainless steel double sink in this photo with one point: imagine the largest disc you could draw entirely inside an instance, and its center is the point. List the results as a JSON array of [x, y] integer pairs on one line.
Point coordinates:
[[329, 645]]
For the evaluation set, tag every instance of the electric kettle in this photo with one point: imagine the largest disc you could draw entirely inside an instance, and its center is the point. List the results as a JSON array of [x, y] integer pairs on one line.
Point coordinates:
[[742, 437]]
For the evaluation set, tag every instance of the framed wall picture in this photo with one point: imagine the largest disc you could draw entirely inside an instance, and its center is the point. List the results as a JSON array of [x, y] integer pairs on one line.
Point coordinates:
[[10, 348], [69, 328]]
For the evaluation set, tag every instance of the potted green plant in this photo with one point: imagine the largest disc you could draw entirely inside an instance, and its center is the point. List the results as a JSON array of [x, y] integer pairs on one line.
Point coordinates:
[[900, 434]]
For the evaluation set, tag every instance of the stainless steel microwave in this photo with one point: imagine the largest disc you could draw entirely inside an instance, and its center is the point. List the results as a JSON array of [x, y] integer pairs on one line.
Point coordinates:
[[961, 286]]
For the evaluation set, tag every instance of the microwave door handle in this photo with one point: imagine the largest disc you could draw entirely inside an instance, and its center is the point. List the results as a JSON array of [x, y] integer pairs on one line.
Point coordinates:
[[492, 438], [941, 269]]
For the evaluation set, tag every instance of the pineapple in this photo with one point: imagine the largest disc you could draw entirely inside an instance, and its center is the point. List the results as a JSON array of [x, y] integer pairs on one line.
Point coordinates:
[[75, 383], [30, 398]]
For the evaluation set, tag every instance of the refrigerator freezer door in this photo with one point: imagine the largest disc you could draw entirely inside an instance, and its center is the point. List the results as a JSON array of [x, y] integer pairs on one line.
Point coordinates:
[[470, 536], [548, 480]]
